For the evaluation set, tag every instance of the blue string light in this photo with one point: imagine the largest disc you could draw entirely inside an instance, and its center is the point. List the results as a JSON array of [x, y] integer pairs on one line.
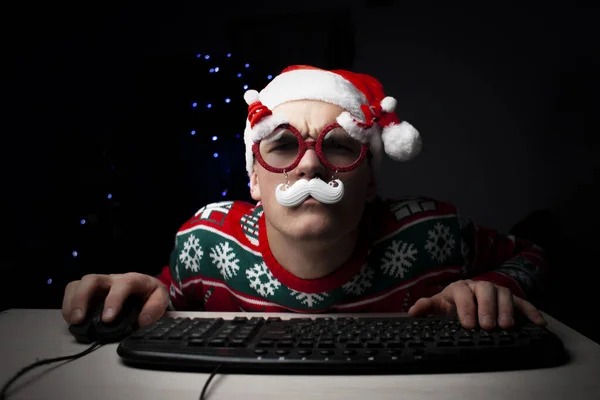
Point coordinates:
[[49, 281], [214, 138], [270, 77], [109, 196], [74, 253]]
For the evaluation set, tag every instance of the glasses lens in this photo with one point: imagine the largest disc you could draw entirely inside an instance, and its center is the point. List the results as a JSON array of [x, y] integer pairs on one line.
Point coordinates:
[[280, 149], [340, 149]]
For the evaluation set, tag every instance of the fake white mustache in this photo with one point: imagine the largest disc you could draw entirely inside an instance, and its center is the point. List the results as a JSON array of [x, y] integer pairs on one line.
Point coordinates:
[[328, 193]]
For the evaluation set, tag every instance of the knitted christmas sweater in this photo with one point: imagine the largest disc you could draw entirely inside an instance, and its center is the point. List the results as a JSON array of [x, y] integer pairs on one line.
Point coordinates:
[[408, 248]]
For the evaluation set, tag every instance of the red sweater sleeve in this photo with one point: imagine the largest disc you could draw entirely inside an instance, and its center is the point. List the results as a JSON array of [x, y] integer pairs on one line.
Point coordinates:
[[505, 260]]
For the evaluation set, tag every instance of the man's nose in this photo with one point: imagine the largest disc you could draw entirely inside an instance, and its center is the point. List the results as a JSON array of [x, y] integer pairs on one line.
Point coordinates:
[[310, 165]]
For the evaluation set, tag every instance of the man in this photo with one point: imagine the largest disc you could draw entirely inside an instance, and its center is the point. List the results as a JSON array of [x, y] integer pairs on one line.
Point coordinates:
[[319, 239]]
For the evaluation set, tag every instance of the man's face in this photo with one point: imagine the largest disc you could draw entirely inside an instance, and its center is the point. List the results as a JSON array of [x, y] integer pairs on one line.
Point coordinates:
[[312, 220]]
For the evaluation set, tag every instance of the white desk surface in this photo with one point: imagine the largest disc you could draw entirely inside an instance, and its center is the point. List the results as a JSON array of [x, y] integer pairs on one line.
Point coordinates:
[[31, 334]]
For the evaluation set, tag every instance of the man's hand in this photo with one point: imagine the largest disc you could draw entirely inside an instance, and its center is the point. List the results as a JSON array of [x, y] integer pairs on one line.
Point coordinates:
[[116, 288], [473, 301]]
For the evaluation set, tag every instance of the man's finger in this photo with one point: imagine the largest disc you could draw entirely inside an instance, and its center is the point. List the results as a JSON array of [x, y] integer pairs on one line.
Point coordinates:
[[90, 286], [486, 304], [155, 307], [464, 300], [68, 297], [422, 307], [530, 311], [506, 308], [123, 287]]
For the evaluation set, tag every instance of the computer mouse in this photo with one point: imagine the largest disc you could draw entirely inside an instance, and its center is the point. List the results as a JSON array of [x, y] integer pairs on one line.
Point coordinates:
[[93, 329]]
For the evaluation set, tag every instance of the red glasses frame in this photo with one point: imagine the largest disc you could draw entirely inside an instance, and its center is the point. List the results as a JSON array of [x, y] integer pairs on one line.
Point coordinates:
[[304, 145]]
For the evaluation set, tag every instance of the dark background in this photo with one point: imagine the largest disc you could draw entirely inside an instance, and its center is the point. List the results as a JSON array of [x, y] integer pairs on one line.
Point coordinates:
[[98, 101]]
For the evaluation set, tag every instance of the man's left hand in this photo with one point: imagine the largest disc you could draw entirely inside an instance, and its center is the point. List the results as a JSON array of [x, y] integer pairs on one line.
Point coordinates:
[[477, 301]]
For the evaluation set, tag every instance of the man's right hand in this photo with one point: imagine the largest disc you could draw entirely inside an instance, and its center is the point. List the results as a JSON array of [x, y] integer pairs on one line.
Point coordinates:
[[119, 287]]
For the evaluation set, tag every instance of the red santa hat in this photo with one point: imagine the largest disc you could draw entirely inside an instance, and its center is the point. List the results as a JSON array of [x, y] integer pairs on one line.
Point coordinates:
[[370, 115]]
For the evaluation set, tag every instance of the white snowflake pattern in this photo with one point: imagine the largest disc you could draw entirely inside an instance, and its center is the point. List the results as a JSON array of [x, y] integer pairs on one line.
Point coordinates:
[[310, 299], [398, 258], [440, 242], [463, 222], [262, 280], [192, 253], [360, 282], [224, 258]]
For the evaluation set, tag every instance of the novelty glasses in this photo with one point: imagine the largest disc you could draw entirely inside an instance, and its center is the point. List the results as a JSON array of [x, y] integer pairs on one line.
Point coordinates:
[[282, 150]]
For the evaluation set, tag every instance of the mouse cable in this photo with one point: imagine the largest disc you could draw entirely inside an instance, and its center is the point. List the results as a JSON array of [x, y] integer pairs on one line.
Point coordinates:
[[45, 361], [212, 375]]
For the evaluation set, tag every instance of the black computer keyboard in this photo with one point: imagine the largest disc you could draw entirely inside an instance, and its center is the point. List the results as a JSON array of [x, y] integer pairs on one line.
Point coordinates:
[[372, 345]]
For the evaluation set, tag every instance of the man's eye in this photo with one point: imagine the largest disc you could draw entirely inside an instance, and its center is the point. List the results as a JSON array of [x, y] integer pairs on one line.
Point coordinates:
[[284, 147]]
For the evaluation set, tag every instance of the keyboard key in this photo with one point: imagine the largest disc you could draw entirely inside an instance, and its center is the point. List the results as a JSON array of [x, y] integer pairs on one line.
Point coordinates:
[[237, 343], [354, 345], [217, 343], [326, 344]]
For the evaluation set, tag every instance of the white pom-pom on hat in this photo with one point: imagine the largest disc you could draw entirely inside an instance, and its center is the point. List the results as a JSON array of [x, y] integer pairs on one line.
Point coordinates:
[[402, 141], [388, 104], [251, 96]]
